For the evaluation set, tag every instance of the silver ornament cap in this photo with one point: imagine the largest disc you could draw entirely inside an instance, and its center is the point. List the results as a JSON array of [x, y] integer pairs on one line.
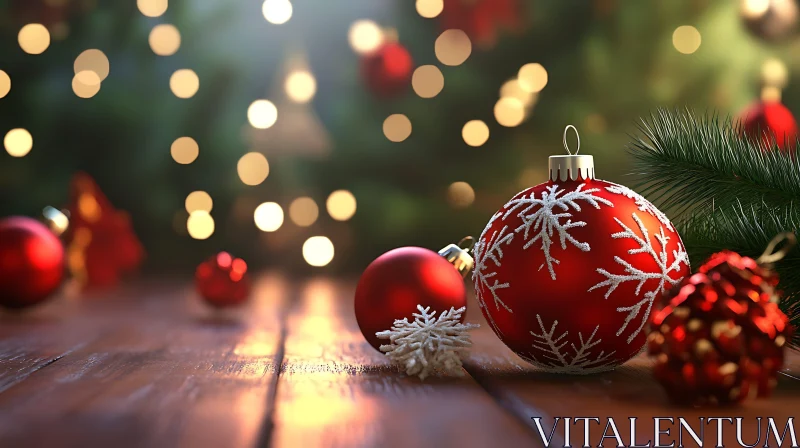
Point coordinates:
[[571, 166]]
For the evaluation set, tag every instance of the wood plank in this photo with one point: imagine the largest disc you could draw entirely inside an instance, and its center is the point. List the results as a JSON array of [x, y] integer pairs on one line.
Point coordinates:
[[629, 391], [336, 390], [169, 373]]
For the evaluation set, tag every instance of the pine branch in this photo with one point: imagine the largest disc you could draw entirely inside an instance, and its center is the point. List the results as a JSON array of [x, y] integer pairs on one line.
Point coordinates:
[[685, 161]]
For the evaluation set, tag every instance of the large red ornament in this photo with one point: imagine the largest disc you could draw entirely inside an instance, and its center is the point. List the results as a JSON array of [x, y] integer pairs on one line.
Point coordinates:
[[719, 334], [481, 19], [31, 262], [387, 70], [222, 281], [768, 121], [566, 272], [396, 282]]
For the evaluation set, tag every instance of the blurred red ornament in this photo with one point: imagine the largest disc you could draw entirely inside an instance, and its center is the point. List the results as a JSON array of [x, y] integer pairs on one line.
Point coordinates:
[[769, 121], [101, 243], [719, 336], [387, 70], [31, 262], [396, 282], [481, 19], [45, 12], [222, 281]]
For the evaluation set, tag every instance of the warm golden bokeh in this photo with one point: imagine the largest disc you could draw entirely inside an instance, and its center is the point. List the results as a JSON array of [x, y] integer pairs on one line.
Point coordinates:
[[184, 150], [200, 225], [460, 194], [427, 81], [184, 83], [198, 201], [253, 168], [532, 77], [513, 89], [365, 36], [475, 133], [318, 251], [152, 8], [774, 73], [85, 84], [300, 86], [165, 39], [268, 217], [453, 47], [341, 205], [18, 142], [277, 12], [34, 38], [5, 84], [303, 211], [262, 114], [429, 8], [686, 39], [509, 112], [92, 60], [397, 127]]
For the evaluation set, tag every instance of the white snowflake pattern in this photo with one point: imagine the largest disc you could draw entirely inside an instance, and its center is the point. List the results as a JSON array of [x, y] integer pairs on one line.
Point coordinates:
[[634, 274], [559, 360], [485, 253], [428, 343], [643, 204], [544, 215]]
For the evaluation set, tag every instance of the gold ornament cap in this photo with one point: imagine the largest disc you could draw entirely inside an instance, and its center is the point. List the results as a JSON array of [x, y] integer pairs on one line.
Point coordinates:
[[57, 220], [458, 255], [571, 166]]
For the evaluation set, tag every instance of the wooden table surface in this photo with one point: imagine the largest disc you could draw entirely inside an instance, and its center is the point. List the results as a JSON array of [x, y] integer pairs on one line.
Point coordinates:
[[150, 366]]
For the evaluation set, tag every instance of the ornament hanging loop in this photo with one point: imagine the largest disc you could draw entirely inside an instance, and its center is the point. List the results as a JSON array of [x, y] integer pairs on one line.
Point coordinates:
[[467, 243], [771, 255], [577, 136]]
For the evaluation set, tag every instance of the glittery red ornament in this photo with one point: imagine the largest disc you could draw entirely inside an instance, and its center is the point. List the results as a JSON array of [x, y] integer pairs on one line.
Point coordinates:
[[396, 282], [387, 70], [481, 19], [31, 262], [566, 272], [718, 337], [770, 121], [222, 281]]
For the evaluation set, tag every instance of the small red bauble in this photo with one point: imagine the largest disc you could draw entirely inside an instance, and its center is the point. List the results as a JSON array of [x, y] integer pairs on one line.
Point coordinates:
[[770, 121], [222, 281], [481, 19], [31, 262], [719, 335], [396, 282], [387, 71], [566, 271]]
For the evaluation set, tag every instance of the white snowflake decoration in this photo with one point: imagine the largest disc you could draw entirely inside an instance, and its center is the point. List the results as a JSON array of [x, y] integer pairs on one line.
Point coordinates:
[[643, 204], [492, 252], [543, 216], [560, 360], [428, 343], [637, 275]]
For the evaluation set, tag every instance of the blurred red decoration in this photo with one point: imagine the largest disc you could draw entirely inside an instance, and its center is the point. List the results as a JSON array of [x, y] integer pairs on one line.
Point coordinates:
[[771, 120], [31, 262], [222, 281], [387, 70], [481, 19], [719, 336], [50, 13], [396, 282], [101, 243]]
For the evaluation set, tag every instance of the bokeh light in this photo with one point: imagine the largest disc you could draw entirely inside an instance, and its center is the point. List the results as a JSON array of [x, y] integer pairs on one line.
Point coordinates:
[[277, 12], [198, 201], [318, 251], [18, 142], [89, 208], [427, 81], [686, 39], [771, 94], [262, 114], [753, 9], [453, 47], [253, 168], [509, 112], [200, 225], [532, 77], [184, 150], [303, 211], [430, 8], [34, 38], [5, 84], [475, 133], [152, 8], [184, 83], [92, 60], [85, 84], [460, 194], [341, 205], [165, 39], [774, 73], [397, 127], [512, 89], [365, 36], [300, 86], [268, 217]]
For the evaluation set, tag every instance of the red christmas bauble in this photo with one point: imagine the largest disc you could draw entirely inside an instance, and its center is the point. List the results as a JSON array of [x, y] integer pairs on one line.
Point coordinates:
[[31, 262], [222, 281], [481, 19], [566, 272], [770, 121], [387, 70], [396, 282]]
